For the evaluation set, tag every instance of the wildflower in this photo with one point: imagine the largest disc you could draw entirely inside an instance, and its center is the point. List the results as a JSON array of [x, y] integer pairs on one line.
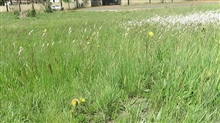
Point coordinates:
[[75, 102], [82, 100], [150, 34], [179, 21]]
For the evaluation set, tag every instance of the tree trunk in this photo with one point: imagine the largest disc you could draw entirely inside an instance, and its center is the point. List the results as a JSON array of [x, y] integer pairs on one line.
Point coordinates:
[[61, 3], [77, 3], [7, 7], [5, 4], [19, 5], [32, 2]]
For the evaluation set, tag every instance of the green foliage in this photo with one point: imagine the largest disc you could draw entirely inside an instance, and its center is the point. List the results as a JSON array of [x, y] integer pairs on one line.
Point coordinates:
[[31, 13], [1, 2], [48, 9], [16, 13], [67, 1]]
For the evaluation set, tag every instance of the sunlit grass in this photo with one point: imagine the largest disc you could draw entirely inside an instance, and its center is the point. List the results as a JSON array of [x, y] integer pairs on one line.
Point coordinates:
[[147, 73]]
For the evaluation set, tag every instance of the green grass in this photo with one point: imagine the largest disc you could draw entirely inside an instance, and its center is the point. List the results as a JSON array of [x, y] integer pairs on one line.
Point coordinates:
[[176, 80]]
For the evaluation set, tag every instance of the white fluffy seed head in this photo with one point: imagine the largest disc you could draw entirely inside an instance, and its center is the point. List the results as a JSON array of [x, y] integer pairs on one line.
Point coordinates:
[[179, 21]]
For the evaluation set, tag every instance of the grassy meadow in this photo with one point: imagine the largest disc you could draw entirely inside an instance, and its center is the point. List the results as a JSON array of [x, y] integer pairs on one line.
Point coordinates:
[[124, 74]]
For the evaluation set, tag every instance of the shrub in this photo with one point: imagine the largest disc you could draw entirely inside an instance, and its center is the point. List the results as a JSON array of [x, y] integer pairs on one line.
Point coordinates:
[[48, 9], [16, 13], [31, 13]]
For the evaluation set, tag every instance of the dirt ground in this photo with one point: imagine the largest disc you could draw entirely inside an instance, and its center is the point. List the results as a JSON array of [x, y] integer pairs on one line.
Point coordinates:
[[148, 6]]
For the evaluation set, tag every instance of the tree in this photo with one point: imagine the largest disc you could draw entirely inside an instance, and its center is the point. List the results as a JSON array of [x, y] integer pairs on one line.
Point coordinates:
[[2, 3]]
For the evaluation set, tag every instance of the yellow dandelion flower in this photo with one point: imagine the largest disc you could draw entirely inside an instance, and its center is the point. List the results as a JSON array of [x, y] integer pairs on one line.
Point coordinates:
[[82, 100], [150, 34], [75, 102]]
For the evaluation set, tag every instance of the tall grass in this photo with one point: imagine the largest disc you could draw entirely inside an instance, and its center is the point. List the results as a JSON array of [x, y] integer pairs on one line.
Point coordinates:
[[49, 60]]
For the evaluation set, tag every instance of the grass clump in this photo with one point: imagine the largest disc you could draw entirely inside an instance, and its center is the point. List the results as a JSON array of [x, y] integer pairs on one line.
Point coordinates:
[[31, 13]]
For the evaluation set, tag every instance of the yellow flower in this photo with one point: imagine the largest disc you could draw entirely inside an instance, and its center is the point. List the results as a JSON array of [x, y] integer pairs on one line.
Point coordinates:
[[150, 34], [75, 102], [82, 100]]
